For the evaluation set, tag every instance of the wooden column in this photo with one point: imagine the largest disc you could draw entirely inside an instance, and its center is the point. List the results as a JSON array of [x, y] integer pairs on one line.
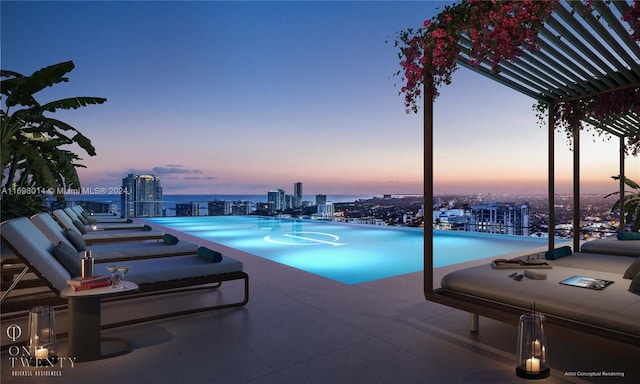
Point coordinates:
[[428, 180], [551, 174], [576, 190], [622, 178]]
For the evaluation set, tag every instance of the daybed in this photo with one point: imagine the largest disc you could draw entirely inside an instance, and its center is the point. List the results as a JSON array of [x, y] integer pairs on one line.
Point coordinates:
[[612, 246], [589, 315], [111, 236], [154, 276]]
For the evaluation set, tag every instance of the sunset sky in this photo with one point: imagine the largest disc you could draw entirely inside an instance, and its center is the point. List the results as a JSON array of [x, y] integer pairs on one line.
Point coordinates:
[[243, 97]]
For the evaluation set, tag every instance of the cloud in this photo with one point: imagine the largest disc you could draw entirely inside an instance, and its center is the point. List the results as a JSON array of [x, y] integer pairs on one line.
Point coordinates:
[[199, 178], [173, 170]]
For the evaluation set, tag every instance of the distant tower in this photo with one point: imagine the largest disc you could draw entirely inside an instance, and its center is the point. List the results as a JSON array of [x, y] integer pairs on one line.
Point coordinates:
[[141, 196], [276, 200], [297, 195], [321, 199], [325, 210]]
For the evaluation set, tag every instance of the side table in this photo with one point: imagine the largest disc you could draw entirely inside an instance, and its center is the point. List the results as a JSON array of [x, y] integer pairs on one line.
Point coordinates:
[[85, 341]]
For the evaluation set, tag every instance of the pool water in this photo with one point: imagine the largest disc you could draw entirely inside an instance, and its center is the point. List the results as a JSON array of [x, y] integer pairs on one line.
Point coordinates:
[[349, 253]]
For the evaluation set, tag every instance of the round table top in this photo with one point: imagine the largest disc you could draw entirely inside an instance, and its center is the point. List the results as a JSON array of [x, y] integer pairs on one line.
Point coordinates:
[[129, 287]]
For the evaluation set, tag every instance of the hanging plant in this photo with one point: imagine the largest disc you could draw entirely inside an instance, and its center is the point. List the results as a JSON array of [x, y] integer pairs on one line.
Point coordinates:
[[501, 30]]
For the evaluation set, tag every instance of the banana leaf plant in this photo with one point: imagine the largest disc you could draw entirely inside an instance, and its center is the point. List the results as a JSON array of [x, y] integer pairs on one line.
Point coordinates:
[[32, 154], [631, 203]]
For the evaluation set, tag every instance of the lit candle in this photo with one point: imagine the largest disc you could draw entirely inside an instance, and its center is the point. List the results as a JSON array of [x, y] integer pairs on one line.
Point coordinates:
[[94, 227], [533, 365], [42, 353]]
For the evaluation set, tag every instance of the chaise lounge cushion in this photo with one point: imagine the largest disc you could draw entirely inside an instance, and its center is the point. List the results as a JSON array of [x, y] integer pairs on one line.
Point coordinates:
[[151, 271], [111, 251], [27, 240]]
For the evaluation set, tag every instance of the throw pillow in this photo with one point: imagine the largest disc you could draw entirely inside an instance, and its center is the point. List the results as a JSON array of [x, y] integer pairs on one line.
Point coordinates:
[[633, 269], [80, 227], [170, 239], [69, 258], [635, 284], [628, 235], [82, 220], [558, 253], [208, 254], [75, 239]]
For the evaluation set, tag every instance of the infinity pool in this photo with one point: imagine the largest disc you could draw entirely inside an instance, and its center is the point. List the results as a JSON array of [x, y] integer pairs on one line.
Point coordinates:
[[348, 253]]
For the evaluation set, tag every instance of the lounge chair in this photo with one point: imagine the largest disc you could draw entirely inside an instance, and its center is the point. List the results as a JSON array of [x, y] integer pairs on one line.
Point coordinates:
[[99, 217], [95, 237], [101, 226], [153, 276], [106, 253]]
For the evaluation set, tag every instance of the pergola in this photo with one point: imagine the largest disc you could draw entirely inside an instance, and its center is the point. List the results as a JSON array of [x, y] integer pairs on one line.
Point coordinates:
[[581, 55]]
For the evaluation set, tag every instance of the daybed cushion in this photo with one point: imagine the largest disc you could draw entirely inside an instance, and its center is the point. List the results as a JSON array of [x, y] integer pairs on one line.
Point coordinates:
[[613, 308], [612, 246], [595, 262]]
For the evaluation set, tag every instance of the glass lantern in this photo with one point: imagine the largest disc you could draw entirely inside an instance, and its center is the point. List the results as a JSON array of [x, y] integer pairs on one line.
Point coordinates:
[[533, 350], [42, 337]]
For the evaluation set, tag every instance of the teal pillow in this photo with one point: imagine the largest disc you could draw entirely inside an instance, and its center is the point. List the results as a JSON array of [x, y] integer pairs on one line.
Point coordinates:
[[146, 228], [558, 253], [69, 258], [209, 254], [628, 235], [170, 239], [83, 220], [80, 227], [129, 221], [76, 239]]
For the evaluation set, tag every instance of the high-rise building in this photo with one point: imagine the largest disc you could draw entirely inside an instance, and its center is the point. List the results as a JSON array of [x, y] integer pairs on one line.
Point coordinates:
[[504, 218], [276, 200], [219, 207], [326, 210], [188, 209], [141, 196], [297, 195], [321, 199]]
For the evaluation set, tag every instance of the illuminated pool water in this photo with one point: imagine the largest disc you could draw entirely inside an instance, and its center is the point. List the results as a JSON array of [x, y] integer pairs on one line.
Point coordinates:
[[347, 253]]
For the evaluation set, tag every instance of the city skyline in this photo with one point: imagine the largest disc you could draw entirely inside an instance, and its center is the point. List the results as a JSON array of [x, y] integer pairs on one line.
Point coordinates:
[[243, 97]]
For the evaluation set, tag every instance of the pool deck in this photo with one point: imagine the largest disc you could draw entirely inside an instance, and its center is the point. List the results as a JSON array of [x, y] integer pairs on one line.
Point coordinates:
[[302, 328]]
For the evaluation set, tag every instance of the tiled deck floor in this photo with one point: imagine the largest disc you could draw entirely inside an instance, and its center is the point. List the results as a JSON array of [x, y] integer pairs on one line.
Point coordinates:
[[301, 328]]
